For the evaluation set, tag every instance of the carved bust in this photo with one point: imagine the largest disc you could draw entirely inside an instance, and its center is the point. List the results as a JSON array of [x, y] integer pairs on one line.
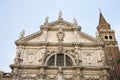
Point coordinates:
[[60, 34]]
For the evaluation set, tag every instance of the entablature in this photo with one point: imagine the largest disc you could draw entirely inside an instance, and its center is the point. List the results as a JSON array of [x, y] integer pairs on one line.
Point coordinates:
[[57, 44]]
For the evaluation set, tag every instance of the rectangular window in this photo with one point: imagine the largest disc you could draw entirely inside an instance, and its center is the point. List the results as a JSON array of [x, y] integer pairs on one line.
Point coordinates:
[[60, 60]]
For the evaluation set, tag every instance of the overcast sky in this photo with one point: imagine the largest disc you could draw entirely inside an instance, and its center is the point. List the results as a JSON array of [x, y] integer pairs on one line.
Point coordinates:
[[28, 15]]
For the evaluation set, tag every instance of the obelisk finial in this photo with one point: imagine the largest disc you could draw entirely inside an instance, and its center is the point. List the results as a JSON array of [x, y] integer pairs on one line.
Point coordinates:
[[60, 14]]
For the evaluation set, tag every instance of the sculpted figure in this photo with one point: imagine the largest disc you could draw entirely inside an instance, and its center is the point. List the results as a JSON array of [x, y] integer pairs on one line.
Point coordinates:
[[46, 19], [22, 34], [74, 21], [17, 58], [60, 74], [14, 74], [18, 53], [42, 55], [60, 34], [77, 57]]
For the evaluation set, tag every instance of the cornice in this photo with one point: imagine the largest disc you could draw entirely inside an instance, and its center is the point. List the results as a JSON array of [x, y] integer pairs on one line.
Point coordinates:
[[63, 67], [69, 26], [57, 44], [60, 22], [24, 39], [91, 38], [95, 67]]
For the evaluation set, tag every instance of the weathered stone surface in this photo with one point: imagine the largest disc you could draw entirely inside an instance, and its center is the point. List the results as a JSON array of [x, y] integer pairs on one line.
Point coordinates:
[[61, 51]]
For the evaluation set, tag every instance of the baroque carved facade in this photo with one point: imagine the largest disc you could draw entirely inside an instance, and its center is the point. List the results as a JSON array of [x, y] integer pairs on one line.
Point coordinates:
[[61, 51]]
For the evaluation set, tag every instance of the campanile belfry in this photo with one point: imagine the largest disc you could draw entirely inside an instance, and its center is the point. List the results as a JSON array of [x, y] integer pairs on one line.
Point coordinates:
[[107, 35]]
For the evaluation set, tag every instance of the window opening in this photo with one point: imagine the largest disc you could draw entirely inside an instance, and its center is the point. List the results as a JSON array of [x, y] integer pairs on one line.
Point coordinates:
[[60, 60], [106, 37], [110, 37], [51, 61]]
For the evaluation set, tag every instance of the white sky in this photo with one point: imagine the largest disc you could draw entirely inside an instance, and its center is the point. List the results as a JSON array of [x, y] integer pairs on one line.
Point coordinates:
[[16, 15]]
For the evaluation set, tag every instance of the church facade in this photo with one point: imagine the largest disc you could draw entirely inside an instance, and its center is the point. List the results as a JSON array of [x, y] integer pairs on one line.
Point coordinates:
[[61, 51]]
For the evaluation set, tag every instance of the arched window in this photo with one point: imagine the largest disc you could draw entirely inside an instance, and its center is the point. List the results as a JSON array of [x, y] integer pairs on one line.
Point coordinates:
[[110, 37], [51, 61], [106, 37], [60, 60], [68, 61]]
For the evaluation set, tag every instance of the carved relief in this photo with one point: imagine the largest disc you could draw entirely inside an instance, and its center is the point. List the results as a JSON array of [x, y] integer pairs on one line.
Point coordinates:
[[101, 58], [60, 34], [60, 74], [29, 76], [42, 55], [40, 75], [78, 75], [89, 58], [77, 57], [31, 57], [68, 77]]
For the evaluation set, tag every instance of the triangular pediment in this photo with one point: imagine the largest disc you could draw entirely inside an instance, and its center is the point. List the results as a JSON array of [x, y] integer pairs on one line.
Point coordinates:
[[49, 34], [85, 38]]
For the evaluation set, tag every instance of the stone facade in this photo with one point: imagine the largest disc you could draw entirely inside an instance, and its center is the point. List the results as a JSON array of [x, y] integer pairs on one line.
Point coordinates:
[[61, 51]]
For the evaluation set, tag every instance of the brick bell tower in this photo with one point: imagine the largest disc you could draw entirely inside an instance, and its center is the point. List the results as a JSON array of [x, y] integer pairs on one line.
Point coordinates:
[[107, 35]]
